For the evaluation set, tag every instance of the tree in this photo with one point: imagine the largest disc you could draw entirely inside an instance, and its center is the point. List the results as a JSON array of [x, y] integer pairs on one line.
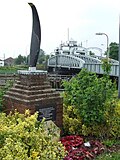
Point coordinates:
[[41, 57], [113, 50], [20, 60]]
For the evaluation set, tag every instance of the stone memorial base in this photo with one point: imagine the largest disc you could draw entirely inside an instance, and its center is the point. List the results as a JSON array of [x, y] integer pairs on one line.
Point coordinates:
[[32, 91]]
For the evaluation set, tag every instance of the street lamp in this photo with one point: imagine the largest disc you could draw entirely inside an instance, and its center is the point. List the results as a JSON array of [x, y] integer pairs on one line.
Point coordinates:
[[107, 42]]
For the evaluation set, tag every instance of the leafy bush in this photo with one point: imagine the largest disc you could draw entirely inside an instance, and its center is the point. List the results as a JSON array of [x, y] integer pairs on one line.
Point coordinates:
[[1, 99], [71, 121], [3, 90], [23, 137], [113, 118], [88, 95], [106, 66]]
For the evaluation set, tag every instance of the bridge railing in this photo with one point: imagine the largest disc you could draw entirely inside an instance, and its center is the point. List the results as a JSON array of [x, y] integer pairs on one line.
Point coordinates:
[[97, 68], [66, 61], [88, 59]]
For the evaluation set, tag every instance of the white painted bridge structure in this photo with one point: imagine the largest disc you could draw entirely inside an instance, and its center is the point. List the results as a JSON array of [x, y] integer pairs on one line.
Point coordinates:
[[77, 59]]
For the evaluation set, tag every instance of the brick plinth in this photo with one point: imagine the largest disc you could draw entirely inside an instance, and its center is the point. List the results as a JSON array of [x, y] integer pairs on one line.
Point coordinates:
[[33, 91]]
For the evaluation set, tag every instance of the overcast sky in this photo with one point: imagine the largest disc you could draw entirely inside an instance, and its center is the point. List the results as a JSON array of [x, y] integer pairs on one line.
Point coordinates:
[[83, 18]]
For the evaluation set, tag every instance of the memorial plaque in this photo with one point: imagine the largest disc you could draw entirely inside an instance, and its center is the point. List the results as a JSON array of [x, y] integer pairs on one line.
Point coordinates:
[[48, 112]]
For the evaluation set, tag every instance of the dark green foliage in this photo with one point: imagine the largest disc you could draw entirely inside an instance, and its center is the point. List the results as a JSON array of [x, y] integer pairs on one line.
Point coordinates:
[[113, 50], [2, 92], [24, 60], [42, 60], [41, 57], [88, 94], [20, 60]]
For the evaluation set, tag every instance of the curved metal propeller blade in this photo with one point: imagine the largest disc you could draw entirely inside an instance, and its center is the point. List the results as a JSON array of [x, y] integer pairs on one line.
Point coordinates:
[[36, 37]]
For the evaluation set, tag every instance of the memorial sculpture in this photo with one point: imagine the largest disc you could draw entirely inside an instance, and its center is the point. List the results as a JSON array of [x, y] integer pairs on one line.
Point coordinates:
[[36, 37], [32, 90]]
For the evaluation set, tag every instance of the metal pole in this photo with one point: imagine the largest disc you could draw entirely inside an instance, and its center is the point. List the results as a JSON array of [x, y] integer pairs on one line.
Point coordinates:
[[107, 56], [119, 63], [107, 45]]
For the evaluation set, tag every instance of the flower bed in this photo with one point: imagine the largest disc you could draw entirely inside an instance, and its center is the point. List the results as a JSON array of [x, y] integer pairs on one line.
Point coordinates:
[[78, 150]]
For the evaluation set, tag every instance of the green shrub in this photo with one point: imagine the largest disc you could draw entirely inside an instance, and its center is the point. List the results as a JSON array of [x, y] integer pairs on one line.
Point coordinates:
[[89, 96], [71, 121], [106, 66], [113, 118], [3, 90], [22, 137]]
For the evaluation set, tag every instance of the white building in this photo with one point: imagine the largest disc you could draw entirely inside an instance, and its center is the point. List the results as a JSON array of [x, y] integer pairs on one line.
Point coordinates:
[[1, 63]]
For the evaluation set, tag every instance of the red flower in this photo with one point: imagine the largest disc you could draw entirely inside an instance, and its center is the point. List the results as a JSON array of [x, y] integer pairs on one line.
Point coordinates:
[[74, 144]]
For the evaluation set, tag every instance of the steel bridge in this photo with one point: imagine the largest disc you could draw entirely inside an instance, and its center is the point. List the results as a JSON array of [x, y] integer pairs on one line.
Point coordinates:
[[75, 62]]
